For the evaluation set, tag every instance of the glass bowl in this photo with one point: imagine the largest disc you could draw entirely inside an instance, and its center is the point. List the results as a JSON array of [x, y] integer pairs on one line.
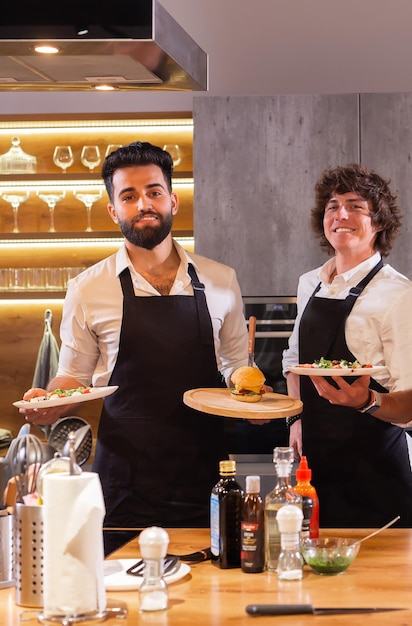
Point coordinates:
[[329, 556]]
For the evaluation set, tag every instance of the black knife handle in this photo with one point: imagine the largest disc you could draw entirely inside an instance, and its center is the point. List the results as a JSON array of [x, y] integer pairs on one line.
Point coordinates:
[[279, 609]]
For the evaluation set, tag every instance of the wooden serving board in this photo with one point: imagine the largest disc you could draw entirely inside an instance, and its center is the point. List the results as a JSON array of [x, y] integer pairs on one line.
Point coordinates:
[[221, 402]]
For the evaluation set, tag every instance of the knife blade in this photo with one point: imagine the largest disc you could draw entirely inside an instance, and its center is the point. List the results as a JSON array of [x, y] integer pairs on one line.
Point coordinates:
[[297, 609], [251, 343]]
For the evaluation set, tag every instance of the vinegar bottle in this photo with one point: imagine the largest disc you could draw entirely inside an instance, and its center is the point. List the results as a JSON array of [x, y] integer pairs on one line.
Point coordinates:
[[252, 555], [310, 525], [282, 494], [225, 517]]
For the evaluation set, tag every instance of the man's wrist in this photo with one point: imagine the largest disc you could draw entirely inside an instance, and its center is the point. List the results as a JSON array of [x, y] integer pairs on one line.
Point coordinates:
[[291, 420], [365, 404], [373, 404]]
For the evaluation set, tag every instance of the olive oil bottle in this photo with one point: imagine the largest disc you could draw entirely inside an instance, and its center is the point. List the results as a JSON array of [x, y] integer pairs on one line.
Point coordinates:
[[225, 517], [283, 493]]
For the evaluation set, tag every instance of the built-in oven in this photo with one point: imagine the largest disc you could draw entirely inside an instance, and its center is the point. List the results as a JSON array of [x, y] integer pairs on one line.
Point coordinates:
[[275, 319]]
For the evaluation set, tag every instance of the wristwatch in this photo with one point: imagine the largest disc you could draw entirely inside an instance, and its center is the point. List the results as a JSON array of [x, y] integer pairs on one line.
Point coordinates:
[[374, 402]]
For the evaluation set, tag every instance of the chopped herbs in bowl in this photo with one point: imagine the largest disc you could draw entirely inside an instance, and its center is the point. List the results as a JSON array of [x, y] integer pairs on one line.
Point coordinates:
[[329, 555]]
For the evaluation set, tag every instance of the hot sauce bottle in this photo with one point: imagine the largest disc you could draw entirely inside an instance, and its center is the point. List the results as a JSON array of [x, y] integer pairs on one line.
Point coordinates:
[[310, 525]]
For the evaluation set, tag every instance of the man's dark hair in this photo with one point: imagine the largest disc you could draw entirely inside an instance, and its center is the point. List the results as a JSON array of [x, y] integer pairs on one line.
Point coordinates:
[[136, 153], [385, 215]]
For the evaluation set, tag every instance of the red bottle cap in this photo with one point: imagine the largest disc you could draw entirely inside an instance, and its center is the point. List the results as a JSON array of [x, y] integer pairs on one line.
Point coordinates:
[[303, 472]]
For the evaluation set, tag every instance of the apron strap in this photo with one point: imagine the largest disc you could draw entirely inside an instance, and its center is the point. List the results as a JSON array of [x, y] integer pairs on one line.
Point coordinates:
[[203, 315], [126, 283]]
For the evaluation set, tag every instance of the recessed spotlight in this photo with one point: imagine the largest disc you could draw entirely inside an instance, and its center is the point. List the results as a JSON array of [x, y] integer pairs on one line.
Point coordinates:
[[46, 49], [104, 87]]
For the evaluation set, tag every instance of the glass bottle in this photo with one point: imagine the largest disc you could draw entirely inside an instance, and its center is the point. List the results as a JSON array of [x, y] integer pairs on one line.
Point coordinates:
[[283, 493], [153, 592], [225, 517], [290, 561], [252, 555], [310, 500]]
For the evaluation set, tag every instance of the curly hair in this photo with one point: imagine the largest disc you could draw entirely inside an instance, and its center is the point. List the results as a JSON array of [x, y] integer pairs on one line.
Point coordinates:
[[385, 215]]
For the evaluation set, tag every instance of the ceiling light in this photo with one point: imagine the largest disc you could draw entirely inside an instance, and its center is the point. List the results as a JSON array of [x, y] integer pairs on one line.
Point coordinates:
[[46, 49]]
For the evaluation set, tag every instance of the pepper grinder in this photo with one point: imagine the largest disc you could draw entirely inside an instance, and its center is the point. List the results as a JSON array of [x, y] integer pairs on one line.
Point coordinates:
[[153, 591]]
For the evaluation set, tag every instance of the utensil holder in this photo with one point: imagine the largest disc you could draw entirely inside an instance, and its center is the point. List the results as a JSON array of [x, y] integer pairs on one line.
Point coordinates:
[[6, 551], [29, 536]]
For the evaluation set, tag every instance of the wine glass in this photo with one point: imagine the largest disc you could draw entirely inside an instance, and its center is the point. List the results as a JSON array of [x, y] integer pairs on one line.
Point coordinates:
[[112, 147], [63, 157], [90, 157], [88, 198], [51, 198], [15, 198], [174, 150]]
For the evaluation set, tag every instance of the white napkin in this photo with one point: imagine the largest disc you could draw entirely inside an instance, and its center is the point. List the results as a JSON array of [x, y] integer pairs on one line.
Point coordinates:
[[73, 544]]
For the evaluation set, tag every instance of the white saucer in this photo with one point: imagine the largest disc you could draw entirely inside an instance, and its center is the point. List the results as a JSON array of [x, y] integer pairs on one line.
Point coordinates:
[[116, 579]]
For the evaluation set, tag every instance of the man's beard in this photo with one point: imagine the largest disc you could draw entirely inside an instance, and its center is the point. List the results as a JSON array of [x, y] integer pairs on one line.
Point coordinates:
[[147, 237]]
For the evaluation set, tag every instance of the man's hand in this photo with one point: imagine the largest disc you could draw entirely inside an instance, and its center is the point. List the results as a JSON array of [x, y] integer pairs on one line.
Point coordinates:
[[43, 416], [295, 439], [353, 395]]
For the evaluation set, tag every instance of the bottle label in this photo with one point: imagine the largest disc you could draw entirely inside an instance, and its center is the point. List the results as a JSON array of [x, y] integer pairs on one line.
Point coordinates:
[[214, 525], [249, 538]]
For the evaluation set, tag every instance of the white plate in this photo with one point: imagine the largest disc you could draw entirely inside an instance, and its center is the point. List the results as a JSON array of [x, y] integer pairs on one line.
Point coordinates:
[[334, 371], [95, 392], [116, 579]]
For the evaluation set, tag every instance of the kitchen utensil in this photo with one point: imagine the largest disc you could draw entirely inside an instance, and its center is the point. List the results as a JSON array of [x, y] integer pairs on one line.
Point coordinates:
[[376, 532], [195, 557], [82, 442], [26, 457], [297, 609], [59, 433], [251, 343], [171, 564]]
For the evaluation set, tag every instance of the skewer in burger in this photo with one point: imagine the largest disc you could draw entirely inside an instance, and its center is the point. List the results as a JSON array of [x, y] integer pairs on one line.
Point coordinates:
[[248, 383]]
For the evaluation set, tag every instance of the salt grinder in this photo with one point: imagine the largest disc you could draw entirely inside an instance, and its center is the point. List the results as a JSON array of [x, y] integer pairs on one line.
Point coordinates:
[[153, 592]]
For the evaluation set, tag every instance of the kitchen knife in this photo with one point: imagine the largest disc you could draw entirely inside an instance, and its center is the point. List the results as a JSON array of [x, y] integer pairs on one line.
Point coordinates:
[[296, 609], [251, 344]]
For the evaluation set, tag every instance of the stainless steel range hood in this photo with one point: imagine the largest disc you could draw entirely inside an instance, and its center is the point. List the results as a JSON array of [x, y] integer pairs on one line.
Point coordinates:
[[126, 44]]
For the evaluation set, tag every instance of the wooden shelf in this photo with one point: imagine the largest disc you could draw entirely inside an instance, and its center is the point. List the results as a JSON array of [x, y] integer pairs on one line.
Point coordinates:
[[32, 294]]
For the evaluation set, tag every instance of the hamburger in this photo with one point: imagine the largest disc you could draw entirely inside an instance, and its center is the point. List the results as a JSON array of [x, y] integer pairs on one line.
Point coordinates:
[[248, 383]]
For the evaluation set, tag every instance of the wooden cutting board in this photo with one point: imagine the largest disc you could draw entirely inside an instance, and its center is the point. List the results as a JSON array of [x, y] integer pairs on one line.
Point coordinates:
[[221, 402]]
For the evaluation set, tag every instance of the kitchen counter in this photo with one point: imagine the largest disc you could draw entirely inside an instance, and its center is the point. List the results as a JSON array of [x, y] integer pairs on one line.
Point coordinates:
[[381, 576]]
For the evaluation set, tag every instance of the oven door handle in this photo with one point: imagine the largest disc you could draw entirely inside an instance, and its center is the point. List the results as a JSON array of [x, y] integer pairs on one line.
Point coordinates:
[[273, 334]]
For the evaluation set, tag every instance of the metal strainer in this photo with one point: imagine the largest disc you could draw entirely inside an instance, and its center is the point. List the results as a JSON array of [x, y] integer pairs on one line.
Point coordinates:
[[59, 436]]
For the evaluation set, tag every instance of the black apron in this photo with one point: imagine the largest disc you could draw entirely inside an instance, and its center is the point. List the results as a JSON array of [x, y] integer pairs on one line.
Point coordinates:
[[158, 459], [360, 465]]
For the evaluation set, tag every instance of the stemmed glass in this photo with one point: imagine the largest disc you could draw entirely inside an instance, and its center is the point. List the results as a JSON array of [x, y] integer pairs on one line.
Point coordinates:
[[112, 147], [174, 150], [15, 198], [63, 157], [89, 198], [90, 157], [51, 198]]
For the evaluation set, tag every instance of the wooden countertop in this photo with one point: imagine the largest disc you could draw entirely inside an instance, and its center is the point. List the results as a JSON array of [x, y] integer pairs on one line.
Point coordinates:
[[381, 576]]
